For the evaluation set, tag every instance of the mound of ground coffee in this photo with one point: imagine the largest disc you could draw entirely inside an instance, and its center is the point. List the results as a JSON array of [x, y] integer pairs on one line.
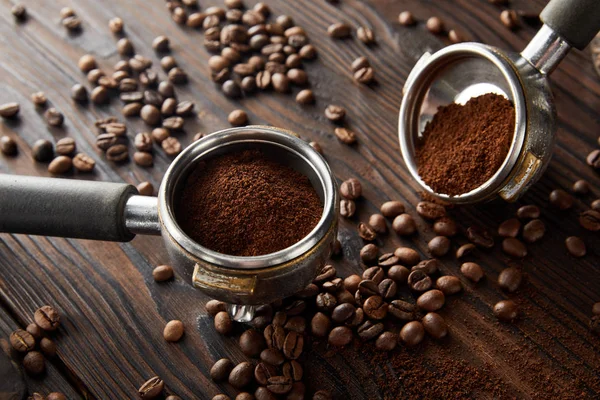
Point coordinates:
[[463, 146], [246, 204]]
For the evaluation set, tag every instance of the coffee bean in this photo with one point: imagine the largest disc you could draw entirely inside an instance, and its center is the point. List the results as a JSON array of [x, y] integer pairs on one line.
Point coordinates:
[[367, 288], [152, 388], [510, 279], [326, 273], [47, 318], [164, 273], [590, 220], [404, 225], [377, 222], [173, 331], [221, 369], [435, 25], [387, 260], [430, 210], [533, 231], [351, 189], [430, 266], [509, 228], [581, 187], [168, 107], [509, 19], [262, 393], [391, 209], [368, 253], [153, 98], [398, 273], [364, 75], [435, 325], [432, 300], [272, 357], [514, 247], [173, 123], [387, 341], [34, 363], [263, 80], [593, 159], [100, 95], [79, 93], [340, 336], [248, 85], [455, 36], [8, 146], [87, 63], [347, 208], [42, 150], [472, 271], [251, 343], [22, 341], [34, 331], [419, 281], [365, 35], [117, 153], [366, 232], [274, 336], [375, 307], [351, 283], [279, 384], [293, 370], [445, 226], [596, 205], [333, 286], [412, 333], [106, 140], [388, 289], [307, 52], [345, 136], [238, 118], [280, 82], [116, 25], [65, 146], [58, 396], [125, 47], [374, 274], [161, 44], [94, 76], [72, 23], [343, 312], [171, 146], [293, 345], [528, 212], [221, 396], [150, 114], [223, 323], [178, 76], [480, 237], [506, 310], [439, 246], [241, 375], [575, 246], [39, 99], [309, 291], [596, 308], [326, 301], [297, 76], [464, 250], [295, 308], [561, 199], [320, 325], [54, 117], [60, 165], [339, 30], [407, 256], [19, 12], [448, 284]]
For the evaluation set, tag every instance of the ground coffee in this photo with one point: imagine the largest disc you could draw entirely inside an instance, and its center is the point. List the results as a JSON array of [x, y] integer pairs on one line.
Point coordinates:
[[464, 146], [246, 204]]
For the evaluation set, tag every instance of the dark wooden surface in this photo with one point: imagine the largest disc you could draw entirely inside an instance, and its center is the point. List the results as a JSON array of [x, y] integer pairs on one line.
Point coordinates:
[[113, 313]]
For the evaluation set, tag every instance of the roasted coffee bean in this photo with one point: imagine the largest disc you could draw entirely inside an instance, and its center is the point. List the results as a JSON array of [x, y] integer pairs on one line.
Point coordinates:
[[593, 159], [340, 336], [152, 388], [280, 317], [293, 345], [177, 75], [117, 153], [364, 75], [145, 189], [248, 85], [480, 237], [293, 370], [326, 273], [166, 89], [60, 396], [432, 300], [333, 286], [388, 289], [357, 320], [343, 312], [120, 76], [351, 283], [590, 220], [238, 118], [375, 307], [251, 343], [435, 25], [472, 271], [274, 336], [221, 396], [19, 12], [404, 225], [164, 273], [116, 25], [60, 165], [309, 291], [143, 141], [510, 279], [561, 199], [419, 281], [345, 136], [152, 97], [241, 375], [402, 310], [448, 284], [445, 226], [347, 208], [509, 19], [39, 99], [335, 113], [65, 146], [263, 372], [173, 123], [47, 318], [79, 93], [514, 247], [375, 274], [412, 333], [506, 310], [34, 363], [439, 246], [430, 266], [42, 150], [596, 308], [392, 209], [133, 97], [115, 128], [184, 108], [528, 212], [297, 76], [173, 331], [171, 146], [54, 117], [377, 222], [320, 325], [581, 187], [22, 341], [387, 341], [100, 95], [464, 250], [365, 35], [509, 228], [34, 331], [86, 63], [263, 79], [272, 357], [279, 384], [351, 189], [407, 256], [398, 273], [161, 44], [150, 114], [9, 110], [387, 260], [369, 330], [596, 205], [8, 146], [435, 325], [143, 159], [125, 47], [223, 323], [533, 231], [94, 76], [168, 107], [430, 210], [339, 30], [575, 246], [280, 82], [455, 37], [326, 301], [106, 140], [367, 288], [262, 393], [366, 232]]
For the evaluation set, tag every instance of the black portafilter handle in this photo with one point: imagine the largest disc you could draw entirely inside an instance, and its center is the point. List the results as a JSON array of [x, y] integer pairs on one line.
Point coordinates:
[[576, 21], [64, 207]]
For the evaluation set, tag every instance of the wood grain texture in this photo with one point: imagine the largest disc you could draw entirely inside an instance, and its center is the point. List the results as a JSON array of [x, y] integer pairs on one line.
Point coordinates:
[[113, 313]]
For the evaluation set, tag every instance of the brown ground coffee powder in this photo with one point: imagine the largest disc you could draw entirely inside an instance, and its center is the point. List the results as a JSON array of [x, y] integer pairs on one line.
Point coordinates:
[[464, 146], [245, 204]]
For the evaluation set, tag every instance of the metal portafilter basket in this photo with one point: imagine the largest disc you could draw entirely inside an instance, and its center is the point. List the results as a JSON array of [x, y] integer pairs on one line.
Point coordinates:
[[115, 212], [462, 71]]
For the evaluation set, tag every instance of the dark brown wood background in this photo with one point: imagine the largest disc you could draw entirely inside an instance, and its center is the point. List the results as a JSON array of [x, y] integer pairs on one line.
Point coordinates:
[[113, 313]]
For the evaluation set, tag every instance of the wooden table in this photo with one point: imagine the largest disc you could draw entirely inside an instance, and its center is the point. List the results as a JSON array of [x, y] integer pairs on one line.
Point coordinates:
[[113, 313]]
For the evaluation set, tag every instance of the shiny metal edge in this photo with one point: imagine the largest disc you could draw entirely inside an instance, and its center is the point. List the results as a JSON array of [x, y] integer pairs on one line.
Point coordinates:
[[546, 50]]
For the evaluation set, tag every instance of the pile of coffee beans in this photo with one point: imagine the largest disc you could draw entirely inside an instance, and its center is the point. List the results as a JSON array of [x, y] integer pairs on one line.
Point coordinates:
[[251, 52]]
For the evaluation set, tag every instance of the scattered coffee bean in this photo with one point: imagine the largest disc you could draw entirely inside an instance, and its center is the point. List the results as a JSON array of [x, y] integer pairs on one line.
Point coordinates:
[[100, 95], [39, 99], [464, 250], [238, 118], [596, 308], [145, 189], [387, 260], [391, 209], [65, 146], [406, 18], [19, 12], [448, 284], [251, 343], [561, 199], [509, 19], [35, 331], [223, 323], [366, 232], [387, 341], [117, 153], [375, 307], [347, 208], [407, 256], [528, 212], [335, 113], [533, 231], [79, 93], [514, 247], [221, 396], [455, 37], [404, 225], [429, 210], [293, 345], [365, 35], [8, 146], [377, 222], [305, 96], [590, 220], [412, 333], [419, 281], [596, 205], [178, 76], [173, 331], [87, 63], [171, 146], [213, 307], [581, 187], [340, 336], [435, 325], [22, 341], [575, 246], [510, 279], [593, 159], [152, 388], [365, 75], [430, 266], [506, 310], [293, 370], [435, 25], [279, 384], [480, 237], [164, 273], [439, 246], [116, 25], [58, 396], [326, 273], [320, 325], [368, 254], [60, 165], [359, 63], [34, 363], [509, 228], [388, 289], [221, 369], [445, 226], [161, 44], [398, 273], [54, 117], [42, 150], [47, 318], [472, 271], [339, 30], [345, 135], [432, 300]]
